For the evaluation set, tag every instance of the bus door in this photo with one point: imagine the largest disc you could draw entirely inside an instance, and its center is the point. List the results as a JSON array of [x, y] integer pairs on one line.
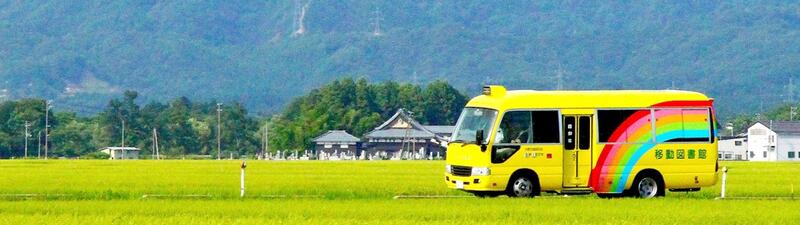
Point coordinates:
[[577, 135]]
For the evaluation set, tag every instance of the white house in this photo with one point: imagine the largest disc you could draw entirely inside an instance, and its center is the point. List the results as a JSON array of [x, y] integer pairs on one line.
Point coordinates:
[[774, 141], [733, 148], [121, 152]]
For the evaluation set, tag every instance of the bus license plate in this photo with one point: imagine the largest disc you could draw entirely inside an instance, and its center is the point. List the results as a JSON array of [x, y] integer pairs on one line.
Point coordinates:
[[459, 184]]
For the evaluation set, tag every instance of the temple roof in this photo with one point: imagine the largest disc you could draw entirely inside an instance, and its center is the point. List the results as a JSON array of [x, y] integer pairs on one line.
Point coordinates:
[[402, 125], [336, 136]]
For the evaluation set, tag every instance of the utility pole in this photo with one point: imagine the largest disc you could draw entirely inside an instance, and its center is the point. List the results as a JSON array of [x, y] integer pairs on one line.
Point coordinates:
[[266, 139], [153, 145], [790, 91], [792, 111], [47, 105], [27, 125], [155, 139], [39, 146], [219, 129], [123, 137], [560, 78], [123, 131]]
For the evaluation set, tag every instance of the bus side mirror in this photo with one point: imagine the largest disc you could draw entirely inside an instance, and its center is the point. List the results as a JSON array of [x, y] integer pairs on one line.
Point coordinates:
[[479, 140], [479, 137]]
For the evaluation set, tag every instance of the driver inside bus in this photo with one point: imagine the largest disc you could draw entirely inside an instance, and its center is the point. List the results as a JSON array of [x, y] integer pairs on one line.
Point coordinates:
[[512, 132]]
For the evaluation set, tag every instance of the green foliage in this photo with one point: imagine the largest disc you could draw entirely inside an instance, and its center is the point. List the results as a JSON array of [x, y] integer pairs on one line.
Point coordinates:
[[183, 127], [96, 155], [358, 107], [84, 53]]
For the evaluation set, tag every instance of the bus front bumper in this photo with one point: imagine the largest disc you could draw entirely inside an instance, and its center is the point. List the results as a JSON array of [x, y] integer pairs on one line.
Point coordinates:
[[476, 183]]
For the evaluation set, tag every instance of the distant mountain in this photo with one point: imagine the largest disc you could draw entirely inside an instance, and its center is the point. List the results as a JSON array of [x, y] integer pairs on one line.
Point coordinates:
[[263, 53]]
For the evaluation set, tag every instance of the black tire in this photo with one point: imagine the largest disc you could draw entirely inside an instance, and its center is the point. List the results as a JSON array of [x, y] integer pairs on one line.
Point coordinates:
[[647, 185], [523, 186]]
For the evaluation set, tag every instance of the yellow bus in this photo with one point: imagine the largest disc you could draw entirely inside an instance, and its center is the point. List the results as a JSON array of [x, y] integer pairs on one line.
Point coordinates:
[[613, 143]]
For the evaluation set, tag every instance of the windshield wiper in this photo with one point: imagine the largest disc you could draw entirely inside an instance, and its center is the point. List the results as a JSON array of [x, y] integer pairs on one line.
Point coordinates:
[[457, 141], [467, 143]]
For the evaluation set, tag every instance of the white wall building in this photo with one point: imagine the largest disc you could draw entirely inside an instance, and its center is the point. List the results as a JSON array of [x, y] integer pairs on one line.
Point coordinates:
[[733, 148], [774, 141], [121, 152]]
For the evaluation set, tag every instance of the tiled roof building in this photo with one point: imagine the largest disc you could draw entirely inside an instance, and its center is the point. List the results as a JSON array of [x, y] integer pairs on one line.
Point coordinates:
[[401, 131]]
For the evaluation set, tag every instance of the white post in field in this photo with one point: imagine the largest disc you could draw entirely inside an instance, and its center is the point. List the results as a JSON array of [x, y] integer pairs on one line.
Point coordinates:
[[244, 165], [724, 180]]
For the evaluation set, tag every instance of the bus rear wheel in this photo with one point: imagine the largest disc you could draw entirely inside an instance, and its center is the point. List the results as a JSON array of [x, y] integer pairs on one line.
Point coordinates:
[[647, 185], [523, 187]]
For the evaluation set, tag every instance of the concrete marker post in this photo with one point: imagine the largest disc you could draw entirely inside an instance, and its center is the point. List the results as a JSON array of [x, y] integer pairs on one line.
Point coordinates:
[[244, 165], [724, 180]]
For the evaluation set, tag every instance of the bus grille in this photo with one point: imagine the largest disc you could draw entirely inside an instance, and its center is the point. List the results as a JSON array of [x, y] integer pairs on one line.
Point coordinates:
[[463, 171]]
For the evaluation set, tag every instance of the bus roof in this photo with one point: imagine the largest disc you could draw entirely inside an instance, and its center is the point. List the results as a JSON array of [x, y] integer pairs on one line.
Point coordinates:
[[582, 99]]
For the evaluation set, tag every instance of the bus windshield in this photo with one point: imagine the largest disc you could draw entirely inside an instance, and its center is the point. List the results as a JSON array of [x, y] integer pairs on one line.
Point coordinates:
[[472, 120]]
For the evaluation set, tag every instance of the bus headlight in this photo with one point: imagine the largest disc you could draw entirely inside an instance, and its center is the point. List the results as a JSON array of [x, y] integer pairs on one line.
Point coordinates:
[[480, 171], [448, 169]]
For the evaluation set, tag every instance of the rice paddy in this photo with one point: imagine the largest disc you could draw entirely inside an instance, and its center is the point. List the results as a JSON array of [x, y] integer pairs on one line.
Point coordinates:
[[352, 192]]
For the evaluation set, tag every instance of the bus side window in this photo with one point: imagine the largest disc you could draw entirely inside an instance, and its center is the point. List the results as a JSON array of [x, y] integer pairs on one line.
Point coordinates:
[[624, 126], [683, 125], [585, 132], [545, 127], [569, 132], [515, 128]]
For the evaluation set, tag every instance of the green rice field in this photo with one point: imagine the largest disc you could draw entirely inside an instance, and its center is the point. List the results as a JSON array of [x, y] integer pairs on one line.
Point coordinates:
[[353, 192]]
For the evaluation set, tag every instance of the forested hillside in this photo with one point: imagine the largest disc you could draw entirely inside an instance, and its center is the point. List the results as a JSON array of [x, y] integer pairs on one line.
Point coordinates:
[[264, 53]]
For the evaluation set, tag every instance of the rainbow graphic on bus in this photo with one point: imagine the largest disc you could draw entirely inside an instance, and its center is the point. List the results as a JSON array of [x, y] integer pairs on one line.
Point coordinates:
[[675, 121]]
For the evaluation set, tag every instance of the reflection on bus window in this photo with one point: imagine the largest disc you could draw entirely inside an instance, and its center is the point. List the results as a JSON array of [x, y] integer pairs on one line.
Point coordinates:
[[472, 120]]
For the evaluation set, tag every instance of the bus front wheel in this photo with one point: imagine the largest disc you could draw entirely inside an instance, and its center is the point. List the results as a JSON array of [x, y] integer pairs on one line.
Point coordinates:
[[522, 186]]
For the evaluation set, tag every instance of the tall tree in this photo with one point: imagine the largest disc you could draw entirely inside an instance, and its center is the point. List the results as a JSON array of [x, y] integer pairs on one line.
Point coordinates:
[[443, 103]]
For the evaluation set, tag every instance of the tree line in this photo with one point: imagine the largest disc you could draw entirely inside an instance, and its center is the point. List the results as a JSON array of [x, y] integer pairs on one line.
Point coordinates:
[[738, 124], [189, 128]]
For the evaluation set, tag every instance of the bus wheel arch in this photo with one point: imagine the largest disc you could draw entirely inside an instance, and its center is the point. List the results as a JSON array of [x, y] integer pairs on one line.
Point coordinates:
[[523, 183], [648, 183]]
